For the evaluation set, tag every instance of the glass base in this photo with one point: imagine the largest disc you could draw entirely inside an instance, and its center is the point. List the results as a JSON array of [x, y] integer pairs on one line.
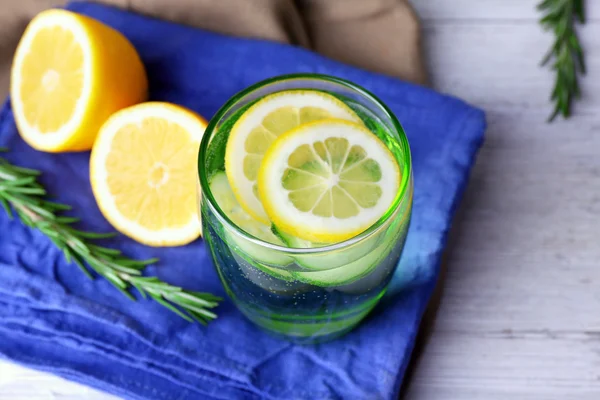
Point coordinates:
[[307, 330]]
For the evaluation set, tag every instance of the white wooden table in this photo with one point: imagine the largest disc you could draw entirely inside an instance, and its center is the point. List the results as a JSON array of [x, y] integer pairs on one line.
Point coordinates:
[[520, 315]]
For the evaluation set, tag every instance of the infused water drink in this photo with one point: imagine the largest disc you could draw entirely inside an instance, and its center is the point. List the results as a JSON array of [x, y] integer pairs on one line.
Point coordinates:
[[306, 189]]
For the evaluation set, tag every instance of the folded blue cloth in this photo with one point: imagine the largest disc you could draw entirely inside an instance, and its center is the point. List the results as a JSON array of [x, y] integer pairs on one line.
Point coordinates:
[[53, 318]]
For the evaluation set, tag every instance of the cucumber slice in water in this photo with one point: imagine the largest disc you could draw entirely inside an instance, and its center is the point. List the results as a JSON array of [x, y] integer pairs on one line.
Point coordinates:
[[351, 271], [273, 280], [375, 258], [385, 267], [223, 194], [375, 277], [329, 259], [292, 241], [248, 265]]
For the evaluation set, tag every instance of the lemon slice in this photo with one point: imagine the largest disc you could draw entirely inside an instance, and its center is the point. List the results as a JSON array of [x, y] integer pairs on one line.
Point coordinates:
[[258, 255], [260, 125], [143, 173], [327, 181], [70, 73]]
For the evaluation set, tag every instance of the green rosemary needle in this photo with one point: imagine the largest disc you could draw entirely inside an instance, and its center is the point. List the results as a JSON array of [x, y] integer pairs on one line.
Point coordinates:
[[560, 16], [21, 194]]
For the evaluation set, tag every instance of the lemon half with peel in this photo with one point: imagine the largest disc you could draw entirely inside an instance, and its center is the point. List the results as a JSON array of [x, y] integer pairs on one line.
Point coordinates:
[[143, 173], [258, 128], [69, 74], [327, 181]]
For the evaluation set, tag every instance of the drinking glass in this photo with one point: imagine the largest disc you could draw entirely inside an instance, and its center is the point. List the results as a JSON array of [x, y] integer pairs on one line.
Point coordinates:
[[316, 294]]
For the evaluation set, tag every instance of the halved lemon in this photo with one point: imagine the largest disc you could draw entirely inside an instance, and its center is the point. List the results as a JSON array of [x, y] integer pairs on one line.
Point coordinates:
[[70, 73], [327, 181], [258, 128], [143, 173]]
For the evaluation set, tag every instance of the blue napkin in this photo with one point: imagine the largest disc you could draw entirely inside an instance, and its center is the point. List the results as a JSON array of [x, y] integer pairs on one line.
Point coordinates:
[[53, 318]]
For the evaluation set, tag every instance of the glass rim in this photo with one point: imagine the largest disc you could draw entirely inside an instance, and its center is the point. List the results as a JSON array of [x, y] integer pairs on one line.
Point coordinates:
[[374, 228]]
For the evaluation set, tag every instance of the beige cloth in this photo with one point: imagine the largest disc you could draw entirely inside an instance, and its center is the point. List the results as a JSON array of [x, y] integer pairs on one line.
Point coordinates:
[[379, 35]]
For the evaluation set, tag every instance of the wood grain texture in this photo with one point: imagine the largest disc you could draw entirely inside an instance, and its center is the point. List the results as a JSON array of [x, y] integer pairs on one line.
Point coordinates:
[[520, 316], [469, 10]]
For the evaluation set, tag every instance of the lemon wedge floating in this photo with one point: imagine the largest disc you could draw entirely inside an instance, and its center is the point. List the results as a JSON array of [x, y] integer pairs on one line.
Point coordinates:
[[69, 74], [327, 181], [258, 128], [143, 173]]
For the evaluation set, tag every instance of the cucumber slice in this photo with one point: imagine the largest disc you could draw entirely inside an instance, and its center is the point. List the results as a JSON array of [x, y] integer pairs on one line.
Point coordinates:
[[226, 200], [350, 272], [366, 272], [329, 259], [260, 254], [375, 277], [273, 280], [382, 272], [248, 265], [374, 251], [256, 276], [293, 241]]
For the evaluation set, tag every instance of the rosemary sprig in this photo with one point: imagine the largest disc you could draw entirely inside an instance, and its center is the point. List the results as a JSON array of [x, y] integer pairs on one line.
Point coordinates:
[[19, 188], [560, 17]]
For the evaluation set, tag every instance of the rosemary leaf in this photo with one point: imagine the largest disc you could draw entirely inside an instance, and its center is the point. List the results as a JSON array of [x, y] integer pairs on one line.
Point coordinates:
[[7, 208], [93, 235], [187, 298], [139, 263], [66, 220], [200, 318], [105, 250], [23, 196], [50, 205], [171, 307], [144, 296], [79, 262], [25, 171], [560, 17]]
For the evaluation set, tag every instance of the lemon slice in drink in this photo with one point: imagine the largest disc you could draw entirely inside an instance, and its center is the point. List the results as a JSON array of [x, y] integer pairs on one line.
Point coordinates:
[[258, 128], [327, 181]]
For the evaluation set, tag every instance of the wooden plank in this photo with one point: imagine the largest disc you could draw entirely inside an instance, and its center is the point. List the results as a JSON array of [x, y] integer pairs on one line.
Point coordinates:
[[497, 66], [519, 317], [19, 383], [469, 10], [524, 367]]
